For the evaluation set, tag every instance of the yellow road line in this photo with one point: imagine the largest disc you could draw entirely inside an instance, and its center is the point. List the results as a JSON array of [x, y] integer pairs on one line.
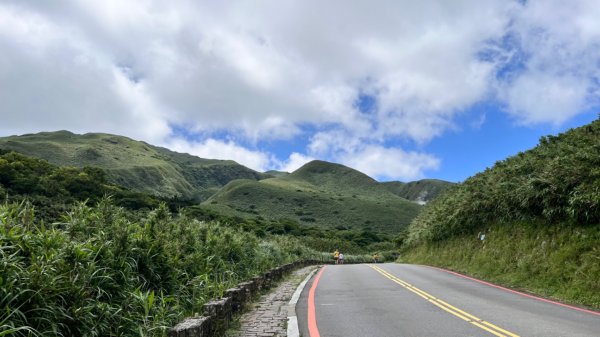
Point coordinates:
[[478, 322]]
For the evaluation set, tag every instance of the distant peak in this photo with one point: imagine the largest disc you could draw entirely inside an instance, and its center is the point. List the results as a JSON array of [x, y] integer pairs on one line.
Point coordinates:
[[320, 165]]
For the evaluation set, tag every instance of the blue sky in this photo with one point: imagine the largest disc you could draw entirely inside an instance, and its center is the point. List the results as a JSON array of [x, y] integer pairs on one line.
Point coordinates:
[[400, 91], [471, 149]]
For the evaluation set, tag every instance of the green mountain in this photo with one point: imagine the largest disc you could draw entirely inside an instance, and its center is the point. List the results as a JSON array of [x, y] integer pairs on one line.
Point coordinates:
[[133, 164], [531, 221], [319, 193], [421, 191]]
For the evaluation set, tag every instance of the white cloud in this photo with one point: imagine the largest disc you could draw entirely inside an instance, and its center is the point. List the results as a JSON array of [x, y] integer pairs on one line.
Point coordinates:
[[227, 150], [257, 67], [294, 162], [268, 71], [560, 50], [371, 158], [478, 122], [328, 143], [390, 163], [540, 98], [53, 80]]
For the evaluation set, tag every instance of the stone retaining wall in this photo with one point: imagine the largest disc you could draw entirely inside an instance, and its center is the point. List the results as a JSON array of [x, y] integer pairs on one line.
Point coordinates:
[[218, 313]]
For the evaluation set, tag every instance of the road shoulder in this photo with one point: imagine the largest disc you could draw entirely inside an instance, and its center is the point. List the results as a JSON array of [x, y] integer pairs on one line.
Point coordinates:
[[269, 315]]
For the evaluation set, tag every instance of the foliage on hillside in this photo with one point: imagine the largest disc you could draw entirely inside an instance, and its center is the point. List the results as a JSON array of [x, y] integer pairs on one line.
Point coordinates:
[[314, 237], [421, 191], [135, 165], [540, 213], [276, 174], [52, 189], [24, 175], [319, 194], [557, 181], [104, 272]]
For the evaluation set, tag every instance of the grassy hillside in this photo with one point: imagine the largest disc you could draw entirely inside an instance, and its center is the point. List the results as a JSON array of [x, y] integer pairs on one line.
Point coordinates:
[[276, 174], [321, 194], [540, 211], [336, 178], [421, 191], [54, 189], [133, 164]]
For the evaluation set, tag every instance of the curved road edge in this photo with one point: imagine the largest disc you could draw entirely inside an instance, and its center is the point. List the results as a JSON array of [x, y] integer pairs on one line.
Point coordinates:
[[547, 320], [535, 297], [292, 323]]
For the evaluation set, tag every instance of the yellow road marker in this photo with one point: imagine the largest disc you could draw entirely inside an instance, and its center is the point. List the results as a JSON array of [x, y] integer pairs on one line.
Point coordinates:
[[478, 322]]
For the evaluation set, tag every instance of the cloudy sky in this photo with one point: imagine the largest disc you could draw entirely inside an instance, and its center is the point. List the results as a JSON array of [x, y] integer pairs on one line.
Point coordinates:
[[400, 90]]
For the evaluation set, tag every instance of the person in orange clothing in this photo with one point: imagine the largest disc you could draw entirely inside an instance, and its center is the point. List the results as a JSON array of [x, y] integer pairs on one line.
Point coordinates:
[[336, 256]]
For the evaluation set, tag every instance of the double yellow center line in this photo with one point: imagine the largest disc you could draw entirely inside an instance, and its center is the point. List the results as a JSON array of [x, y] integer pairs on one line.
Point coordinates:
[[487, 326]]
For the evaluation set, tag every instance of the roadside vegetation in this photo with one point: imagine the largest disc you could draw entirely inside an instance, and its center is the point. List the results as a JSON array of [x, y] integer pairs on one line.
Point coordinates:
[[539, 212], [101, 271], [83, 257], [315, 237]]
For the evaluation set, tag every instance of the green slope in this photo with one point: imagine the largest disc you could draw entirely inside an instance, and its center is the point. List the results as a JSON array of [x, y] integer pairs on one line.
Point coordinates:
[[421, 191], [336, 178], [276, 174], [319, 193], [133, 164], [540, 213], [557, 181]]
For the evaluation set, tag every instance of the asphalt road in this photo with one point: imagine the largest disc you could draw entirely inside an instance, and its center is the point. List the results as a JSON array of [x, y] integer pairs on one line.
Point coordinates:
[[386, 300]]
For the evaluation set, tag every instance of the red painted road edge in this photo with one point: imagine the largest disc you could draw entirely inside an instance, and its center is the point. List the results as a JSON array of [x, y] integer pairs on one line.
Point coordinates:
[[518, 292], [313, 331]]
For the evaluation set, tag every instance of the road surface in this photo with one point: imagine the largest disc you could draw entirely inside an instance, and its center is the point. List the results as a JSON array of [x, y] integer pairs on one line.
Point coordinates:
[[383, 300]]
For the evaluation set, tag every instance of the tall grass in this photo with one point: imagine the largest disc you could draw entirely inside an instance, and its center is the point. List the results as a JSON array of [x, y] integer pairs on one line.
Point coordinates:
[[102, 271]]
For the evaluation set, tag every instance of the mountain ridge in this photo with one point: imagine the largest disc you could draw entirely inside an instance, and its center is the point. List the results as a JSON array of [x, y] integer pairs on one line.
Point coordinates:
[[310, 196], [133, 164], [318, 193]]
